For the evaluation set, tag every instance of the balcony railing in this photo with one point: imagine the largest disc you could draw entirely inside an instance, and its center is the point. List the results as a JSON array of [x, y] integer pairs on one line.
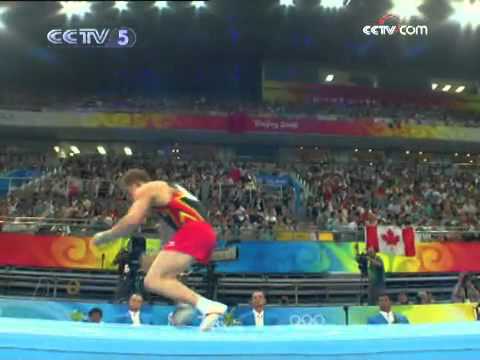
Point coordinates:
[[85, 227]]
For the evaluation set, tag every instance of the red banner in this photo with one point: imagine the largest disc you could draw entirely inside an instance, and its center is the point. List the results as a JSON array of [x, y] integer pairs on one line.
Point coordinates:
[[243, 123], [27, 250], [198, 122]]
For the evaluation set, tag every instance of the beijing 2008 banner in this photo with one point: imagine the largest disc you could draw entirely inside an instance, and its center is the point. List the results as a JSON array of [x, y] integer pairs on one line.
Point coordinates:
[[239, 123]]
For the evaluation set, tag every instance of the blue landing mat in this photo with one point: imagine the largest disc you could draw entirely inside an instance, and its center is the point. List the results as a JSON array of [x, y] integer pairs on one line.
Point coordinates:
[[22, 339]]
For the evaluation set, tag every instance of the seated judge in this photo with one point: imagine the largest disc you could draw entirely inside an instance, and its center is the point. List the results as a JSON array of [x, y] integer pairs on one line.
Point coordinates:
[[386, 316], [258, 316], [95, 315], [134, 315]]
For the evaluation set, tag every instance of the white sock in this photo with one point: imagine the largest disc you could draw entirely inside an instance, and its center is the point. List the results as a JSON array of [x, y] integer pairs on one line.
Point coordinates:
[[204, 305]]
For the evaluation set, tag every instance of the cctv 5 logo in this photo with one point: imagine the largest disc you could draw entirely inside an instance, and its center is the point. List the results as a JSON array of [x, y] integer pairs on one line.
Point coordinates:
[[111, 38]]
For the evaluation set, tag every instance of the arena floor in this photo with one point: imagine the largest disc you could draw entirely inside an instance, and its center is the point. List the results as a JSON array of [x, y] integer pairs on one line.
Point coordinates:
[[56, 340]]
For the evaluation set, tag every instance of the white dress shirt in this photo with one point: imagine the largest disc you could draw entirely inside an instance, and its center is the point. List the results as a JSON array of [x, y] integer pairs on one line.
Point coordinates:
[[258, 318], [135, 316], [388, 316]]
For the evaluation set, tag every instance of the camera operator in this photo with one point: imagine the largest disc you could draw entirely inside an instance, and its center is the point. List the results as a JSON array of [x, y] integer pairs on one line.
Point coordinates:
[[371, 266], [130, 274], [362, 261], [466, 289]]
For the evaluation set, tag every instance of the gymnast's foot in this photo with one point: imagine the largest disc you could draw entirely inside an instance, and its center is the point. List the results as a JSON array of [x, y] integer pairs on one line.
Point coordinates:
[[214, 312]]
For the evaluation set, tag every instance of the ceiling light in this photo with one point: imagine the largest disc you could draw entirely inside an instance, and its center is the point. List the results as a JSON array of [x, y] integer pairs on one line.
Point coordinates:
[[160, 5], [75, 8], [198, 4], [121, 5], [406, 9], [466, 13]]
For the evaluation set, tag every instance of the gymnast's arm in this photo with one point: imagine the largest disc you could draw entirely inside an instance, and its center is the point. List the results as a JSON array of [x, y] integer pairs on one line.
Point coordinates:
[[126, 225], [130, 222]]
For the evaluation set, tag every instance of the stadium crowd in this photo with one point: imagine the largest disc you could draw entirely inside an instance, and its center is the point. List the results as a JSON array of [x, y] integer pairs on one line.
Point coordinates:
[[86, 187], [348, 196], [336, 196]]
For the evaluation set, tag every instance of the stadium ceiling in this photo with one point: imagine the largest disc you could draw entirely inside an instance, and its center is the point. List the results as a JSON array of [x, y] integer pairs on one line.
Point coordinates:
[[222, 44], [463, 12]]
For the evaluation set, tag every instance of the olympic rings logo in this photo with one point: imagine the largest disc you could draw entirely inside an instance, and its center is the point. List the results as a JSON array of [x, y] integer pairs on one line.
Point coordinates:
[[307, 319]]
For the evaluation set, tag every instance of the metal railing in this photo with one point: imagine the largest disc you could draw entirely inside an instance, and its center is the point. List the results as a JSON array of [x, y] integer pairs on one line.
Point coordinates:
[[93, 188], [85, 227], [45, 226]]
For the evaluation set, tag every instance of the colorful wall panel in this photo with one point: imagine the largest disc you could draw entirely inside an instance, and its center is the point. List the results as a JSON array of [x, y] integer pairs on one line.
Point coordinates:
[[159, 314], [317, 257], [26, 250], [418, 314]]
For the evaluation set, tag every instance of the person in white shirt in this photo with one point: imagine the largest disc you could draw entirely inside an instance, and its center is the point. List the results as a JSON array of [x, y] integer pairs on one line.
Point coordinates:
[[134, 307], [258, 308], [386, 316], [134, 316]]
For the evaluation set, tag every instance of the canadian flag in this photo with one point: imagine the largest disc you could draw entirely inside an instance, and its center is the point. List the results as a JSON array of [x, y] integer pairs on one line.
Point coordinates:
[[391, 239]]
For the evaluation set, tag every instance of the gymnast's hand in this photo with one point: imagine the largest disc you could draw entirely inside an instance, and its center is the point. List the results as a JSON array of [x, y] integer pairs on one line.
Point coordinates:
[[102, 238]]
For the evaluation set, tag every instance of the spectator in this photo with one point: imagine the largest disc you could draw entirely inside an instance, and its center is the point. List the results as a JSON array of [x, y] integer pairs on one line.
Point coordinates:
[[134, 315], [95, 315], [258, 317], [403, 298], [424, 298], [386, 316], [376, 276], [284, 300], [465, 290]]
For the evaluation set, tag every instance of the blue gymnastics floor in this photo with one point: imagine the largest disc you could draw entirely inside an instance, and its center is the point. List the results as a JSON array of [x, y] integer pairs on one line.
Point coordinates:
[[22, 339]]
